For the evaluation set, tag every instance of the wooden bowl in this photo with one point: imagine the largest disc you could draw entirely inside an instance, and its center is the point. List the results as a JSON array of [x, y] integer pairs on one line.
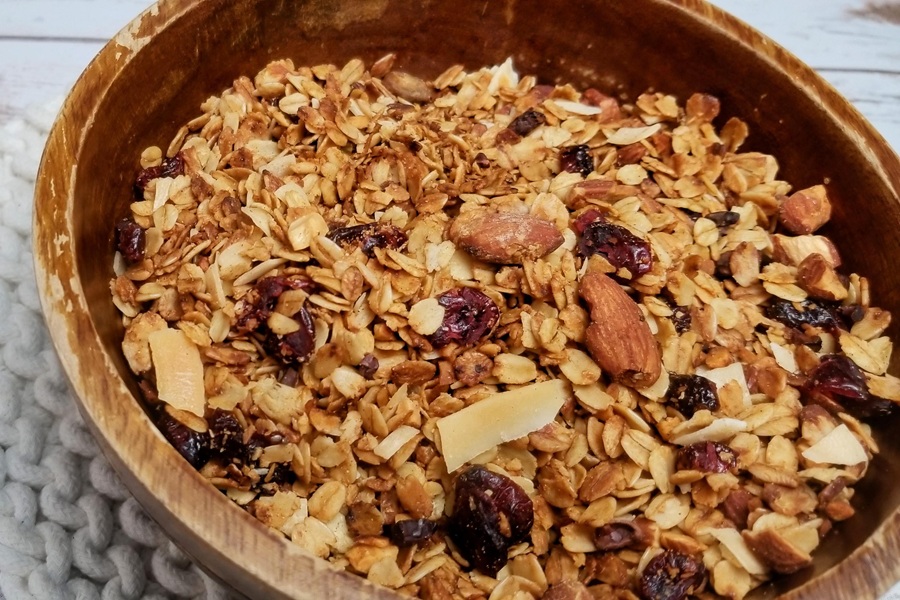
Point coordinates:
[[153, 76]]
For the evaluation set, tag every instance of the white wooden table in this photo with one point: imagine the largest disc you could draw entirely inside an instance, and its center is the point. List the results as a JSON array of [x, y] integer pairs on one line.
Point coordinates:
[[854, 44]]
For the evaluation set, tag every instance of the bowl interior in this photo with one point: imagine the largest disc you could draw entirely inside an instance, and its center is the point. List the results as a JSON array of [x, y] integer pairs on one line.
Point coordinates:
[[153, 77]]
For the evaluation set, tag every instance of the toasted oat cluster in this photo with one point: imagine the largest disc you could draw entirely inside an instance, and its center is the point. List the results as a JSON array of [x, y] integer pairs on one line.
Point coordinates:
[[484, 338]]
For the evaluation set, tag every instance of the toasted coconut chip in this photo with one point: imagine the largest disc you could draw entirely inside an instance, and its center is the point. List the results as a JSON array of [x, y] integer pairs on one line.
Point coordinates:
[[723, 375], [732, 540], [839, 447], [179, 370], [497, 419]]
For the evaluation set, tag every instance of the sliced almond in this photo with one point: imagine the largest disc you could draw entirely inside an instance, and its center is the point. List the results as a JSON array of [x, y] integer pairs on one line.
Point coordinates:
[[624, 136], [717, 431]]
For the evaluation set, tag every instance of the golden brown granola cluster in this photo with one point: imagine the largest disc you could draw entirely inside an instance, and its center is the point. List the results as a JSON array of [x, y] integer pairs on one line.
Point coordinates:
[[483, 338]]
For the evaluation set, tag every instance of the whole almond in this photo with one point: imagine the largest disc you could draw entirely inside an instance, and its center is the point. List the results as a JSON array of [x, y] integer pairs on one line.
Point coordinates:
[[805, 211], [819, 279], [619, 337], [504, 238]]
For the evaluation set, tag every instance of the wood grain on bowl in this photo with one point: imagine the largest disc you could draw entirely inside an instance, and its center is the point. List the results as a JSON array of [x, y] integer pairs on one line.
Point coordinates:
[[153, 76]]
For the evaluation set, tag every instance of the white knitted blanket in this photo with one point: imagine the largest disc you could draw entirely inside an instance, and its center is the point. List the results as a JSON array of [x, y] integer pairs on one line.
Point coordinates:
[[69, 530]]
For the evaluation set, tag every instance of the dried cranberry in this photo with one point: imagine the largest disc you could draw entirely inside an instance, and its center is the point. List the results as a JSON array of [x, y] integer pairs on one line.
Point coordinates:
[[369, 236], [491, 514], [681, 318], [724, 218], [708, 457], [468, 315], [808, 313], [623, 534], [192, 445], [169, 167], [296, 347], [672, 575], [576, 159], [621, 248], [226, 436], [691, 393], [411, 531], [586, 218], [131, 240], [837, 380], [527, 122], [368, 366]]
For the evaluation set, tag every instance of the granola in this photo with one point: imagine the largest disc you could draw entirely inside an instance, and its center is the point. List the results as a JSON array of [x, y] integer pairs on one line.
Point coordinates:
[[484, 338]]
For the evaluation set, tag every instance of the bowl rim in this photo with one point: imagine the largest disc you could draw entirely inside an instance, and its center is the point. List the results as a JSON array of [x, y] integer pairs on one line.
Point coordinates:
[[128, 440]]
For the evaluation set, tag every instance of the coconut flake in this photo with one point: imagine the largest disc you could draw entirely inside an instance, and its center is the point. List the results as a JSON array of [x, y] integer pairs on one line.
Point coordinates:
[[497, 419], [724, 375], [784, 357], [504, 77], [734, 542], [839, 447], [394, 441], [179, 370]]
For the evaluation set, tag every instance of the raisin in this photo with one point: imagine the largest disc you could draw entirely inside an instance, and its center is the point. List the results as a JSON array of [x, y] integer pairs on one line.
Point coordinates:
[[527, 122], [576, 159], [809, 313], [491, 514], [258, 304], [468, 315], [368, 366], [691, 393], [623, 534], [681, 318], [169, 167], [131, 241], [296, 347], [192, 445], [411, 531], [672, 575], [369, 236], [724, 218], [621, 248], [837, 380], [481, 160], [707, 457], [226, 437]]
